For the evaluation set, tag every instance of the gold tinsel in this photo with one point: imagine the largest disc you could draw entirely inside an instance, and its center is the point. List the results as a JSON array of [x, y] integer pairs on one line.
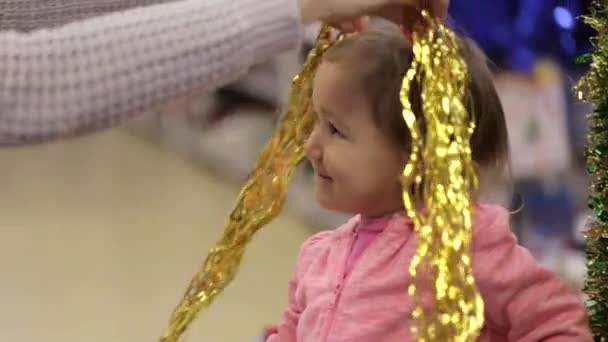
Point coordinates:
[[440, 168], [260, 200], [438, 183], [593, 87]]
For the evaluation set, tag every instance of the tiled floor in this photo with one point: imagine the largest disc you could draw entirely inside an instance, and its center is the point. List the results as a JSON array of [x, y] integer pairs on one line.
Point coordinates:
[[99, 237]]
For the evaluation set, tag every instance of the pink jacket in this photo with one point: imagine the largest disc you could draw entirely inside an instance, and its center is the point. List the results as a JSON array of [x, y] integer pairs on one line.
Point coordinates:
[[523, 301]]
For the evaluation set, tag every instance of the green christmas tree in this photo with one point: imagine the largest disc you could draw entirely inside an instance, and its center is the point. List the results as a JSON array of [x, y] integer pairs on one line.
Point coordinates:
[[594, 87]]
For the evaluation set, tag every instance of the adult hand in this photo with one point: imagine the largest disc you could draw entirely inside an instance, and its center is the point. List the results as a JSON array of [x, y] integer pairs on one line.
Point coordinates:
[[409, 16], [351, 15]]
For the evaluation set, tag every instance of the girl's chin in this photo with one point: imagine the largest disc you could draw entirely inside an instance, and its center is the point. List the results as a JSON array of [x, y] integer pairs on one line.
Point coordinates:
[[331, 204]]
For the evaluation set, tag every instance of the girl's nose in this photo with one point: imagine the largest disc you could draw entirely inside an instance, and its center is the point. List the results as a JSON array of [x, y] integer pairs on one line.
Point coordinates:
[[312, 148]]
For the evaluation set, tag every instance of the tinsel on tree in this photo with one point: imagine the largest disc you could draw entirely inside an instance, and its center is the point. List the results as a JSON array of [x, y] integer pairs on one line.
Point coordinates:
[[594, 87]]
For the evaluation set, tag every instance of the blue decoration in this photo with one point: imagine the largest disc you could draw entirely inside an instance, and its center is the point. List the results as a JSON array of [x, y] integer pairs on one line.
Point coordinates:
[[515, 33], [563, 17]]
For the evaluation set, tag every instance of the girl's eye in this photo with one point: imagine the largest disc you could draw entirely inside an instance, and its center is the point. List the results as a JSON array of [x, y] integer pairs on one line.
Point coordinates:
[[333, 130]]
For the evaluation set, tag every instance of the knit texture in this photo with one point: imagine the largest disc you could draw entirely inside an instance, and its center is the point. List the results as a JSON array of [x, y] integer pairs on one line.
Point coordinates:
[[88, 75], [29, 15]]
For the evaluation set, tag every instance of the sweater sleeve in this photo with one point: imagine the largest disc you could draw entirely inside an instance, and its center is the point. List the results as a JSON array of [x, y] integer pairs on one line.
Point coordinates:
[[29, 15], [97, 73], [522, 299]]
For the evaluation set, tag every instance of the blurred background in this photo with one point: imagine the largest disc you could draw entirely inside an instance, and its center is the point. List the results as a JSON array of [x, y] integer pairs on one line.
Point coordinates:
[[100, 235]]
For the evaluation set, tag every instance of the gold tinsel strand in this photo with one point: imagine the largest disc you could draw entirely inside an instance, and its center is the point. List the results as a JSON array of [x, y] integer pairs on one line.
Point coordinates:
[[260, 200], [438, 183]]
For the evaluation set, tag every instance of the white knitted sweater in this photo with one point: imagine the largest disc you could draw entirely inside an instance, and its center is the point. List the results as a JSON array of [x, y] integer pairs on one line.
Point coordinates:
[[61, 76]]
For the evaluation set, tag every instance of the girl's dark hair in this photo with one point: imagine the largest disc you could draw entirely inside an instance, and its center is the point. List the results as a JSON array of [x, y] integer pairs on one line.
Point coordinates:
[[380, 59]]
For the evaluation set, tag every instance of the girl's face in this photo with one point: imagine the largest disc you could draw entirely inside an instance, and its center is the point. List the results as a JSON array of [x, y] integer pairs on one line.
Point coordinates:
[[356, 165]]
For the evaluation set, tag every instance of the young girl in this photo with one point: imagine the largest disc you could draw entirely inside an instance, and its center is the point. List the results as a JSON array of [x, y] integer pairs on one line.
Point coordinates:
[[350, 284]]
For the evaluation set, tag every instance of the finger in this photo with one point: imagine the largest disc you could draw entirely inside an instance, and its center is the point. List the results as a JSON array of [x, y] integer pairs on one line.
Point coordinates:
[[437, 8], [361, 23], [440, 9], [393, 13], [345, 26], [400, 15]]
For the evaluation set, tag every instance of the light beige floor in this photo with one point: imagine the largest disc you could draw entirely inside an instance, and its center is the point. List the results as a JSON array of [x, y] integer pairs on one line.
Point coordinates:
[[99, 237]]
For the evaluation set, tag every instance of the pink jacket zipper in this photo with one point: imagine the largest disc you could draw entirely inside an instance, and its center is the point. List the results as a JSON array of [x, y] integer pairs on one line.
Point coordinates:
[[339, 287]]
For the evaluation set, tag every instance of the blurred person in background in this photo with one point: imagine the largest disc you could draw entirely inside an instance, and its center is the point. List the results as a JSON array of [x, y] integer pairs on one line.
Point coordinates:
[[62, 75]]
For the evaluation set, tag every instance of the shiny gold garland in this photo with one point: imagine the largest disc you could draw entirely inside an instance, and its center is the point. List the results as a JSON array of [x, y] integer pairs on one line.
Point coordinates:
[[439, 180], [260, 200], [446, 178]]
